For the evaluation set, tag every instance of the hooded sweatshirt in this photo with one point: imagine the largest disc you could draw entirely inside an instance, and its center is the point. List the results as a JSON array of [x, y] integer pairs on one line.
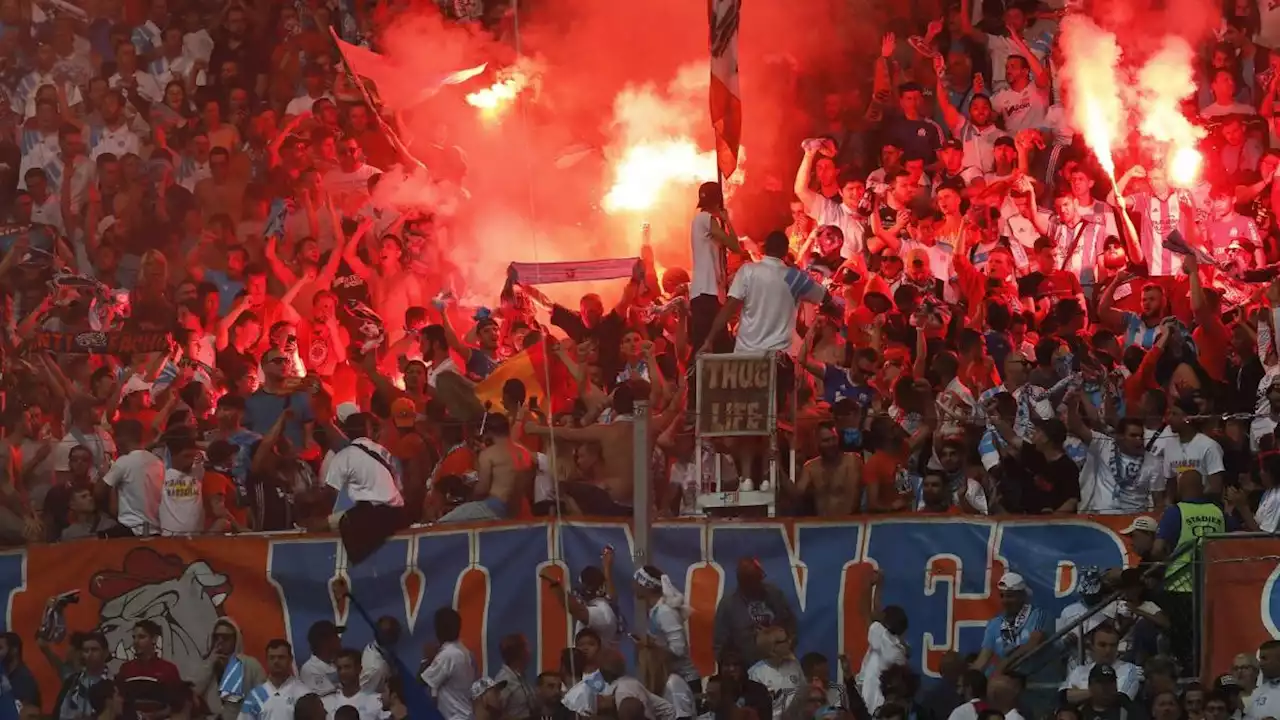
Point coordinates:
[[211, 677]]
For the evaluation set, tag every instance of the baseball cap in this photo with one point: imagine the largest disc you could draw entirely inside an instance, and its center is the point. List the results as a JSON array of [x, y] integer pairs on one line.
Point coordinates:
[[917, 256], [484, 685], [1227, 681], [1102, 673], [1140, 524], [404, 413], [1004, 140], [953, 145], [1012, 582], [345, 410], [485, 322]]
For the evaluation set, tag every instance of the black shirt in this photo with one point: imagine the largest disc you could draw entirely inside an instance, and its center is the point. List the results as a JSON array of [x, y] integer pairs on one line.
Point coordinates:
[[1046, 484], [607, 333]]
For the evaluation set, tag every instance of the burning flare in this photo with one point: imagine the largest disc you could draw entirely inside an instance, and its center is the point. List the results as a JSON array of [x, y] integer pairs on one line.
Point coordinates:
[[1184, 167], [646, 170], [1093, 84], [494, 100]]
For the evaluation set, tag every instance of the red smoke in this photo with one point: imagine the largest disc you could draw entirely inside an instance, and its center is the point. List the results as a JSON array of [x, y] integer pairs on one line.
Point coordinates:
[[608, 75]]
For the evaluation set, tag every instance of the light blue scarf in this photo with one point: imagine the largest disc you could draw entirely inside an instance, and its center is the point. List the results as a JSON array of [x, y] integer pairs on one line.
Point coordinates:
[[231, 686]]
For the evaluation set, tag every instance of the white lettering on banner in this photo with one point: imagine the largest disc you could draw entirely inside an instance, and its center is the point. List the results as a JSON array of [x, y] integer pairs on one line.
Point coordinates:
[[942, 572]]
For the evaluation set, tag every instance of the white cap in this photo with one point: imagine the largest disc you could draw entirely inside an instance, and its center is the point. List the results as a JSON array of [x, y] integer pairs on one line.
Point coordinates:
[[484, 685], [1140, 524], [1012, 582], [345, 410]]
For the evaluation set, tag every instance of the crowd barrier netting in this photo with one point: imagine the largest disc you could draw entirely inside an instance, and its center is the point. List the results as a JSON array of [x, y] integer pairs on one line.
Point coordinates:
[[943, 571]]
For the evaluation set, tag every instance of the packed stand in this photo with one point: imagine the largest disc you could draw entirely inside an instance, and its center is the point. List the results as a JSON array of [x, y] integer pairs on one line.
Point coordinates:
[[1113, 665]]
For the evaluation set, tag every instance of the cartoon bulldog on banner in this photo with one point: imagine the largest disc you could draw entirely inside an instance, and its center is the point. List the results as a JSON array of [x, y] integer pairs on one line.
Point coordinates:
[[184, 599]]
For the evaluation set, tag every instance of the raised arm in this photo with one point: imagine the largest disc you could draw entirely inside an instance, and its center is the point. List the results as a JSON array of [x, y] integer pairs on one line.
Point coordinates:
[[351, 253], [282, 271]]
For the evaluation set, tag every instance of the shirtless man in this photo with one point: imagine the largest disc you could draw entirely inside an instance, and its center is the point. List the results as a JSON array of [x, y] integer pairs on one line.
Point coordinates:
[[835, 477], [505, 472], [617, 439], [394, 287]]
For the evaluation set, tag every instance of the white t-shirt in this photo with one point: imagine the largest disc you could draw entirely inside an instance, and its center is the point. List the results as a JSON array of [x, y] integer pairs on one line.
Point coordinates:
[[826, 211], [373, 669], [449, 676], [181, 504], [1265, 700], [782, 682], [1203, 453], [708, 277], [303, 103], [679, 695], [365, 479], [1102, 492], [770, 291], [1021, 109], [369, 704], [349, 190], [138, 477], [98, 442], [655, 708], [320, 676], [883, 649], [1268, 512], [603, 620], [1080, 653]]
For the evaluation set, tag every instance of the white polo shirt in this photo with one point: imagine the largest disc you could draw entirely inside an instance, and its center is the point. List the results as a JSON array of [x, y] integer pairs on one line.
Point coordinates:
[[368, 704], [449, 676], [1128, 678], [770, 291], [268, 702], [364, 478]]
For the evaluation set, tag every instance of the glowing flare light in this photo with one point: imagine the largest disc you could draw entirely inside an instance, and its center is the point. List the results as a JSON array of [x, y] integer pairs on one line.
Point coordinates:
[[645, 171], [1092, 81], [1184, 167], [494, 100]]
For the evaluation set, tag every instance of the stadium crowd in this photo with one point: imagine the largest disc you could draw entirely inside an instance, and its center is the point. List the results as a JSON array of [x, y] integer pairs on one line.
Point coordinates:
[[994, 329]]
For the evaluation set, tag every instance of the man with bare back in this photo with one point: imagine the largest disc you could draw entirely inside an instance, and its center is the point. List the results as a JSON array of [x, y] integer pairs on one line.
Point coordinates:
[[617, 440], [833, 479], [505, 469]]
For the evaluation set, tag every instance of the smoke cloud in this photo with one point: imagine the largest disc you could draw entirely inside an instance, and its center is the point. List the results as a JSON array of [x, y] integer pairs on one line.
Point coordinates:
[[609, 92]]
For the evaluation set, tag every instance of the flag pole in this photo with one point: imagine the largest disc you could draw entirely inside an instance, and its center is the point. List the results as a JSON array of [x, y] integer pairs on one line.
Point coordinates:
[[368, 102]]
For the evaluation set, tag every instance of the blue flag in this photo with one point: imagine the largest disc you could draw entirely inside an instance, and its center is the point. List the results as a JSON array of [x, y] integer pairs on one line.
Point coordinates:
[[414, 694]]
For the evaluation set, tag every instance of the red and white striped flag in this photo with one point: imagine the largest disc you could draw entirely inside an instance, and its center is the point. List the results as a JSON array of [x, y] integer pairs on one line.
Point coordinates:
[[726, 97]]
